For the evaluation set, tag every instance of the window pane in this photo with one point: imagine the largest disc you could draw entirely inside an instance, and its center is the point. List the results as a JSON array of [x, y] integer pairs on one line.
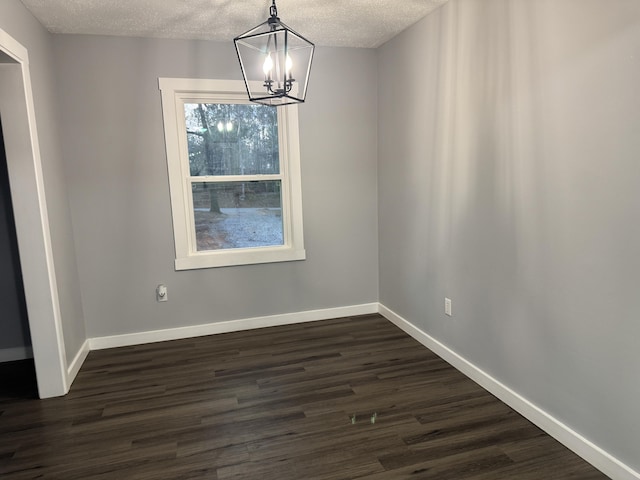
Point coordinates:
[[228, 139], [237, 214]]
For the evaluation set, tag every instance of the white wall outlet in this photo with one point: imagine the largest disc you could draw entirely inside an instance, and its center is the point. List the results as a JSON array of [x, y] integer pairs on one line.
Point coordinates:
[[447, 306], [161, 293]]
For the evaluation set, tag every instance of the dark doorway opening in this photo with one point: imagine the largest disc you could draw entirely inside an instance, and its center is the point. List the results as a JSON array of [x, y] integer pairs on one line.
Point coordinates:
[[18, 380], [17, 375]]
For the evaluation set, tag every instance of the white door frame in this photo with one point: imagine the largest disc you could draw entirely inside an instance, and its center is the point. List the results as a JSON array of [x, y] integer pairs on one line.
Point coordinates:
[[31, 218]]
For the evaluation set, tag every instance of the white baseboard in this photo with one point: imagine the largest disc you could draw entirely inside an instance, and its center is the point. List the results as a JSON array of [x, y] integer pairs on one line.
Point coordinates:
[[13, 354], [596, 456], [76, 363], [140, 338]]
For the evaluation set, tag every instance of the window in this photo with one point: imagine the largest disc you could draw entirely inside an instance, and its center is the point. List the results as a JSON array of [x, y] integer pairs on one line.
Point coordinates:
[[234, 175]]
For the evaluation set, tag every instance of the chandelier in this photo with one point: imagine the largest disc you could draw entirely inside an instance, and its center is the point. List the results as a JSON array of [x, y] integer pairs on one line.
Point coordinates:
[[275, 62]]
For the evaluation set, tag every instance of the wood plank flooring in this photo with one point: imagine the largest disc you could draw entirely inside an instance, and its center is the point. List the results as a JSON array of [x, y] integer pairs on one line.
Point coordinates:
[[277, 403]]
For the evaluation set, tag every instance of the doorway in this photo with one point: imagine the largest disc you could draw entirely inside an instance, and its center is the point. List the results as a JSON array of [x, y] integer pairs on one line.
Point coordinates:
[[23, 163], [17, 369]]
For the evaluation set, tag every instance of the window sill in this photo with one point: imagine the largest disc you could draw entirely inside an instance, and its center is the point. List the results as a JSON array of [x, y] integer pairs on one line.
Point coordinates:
[[247, 256]]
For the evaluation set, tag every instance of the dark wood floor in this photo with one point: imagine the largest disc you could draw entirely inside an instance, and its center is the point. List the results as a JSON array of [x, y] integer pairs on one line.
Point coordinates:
[[277, 404]]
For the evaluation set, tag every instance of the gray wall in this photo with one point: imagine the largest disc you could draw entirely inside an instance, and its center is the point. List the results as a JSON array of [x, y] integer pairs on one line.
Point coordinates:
[[113, 144], [14, 323], [508, 181], [21, 25]]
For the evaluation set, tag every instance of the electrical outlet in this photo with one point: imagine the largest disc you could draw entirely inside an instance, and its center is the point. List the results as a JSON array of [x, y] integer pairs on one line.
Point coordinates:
[[447, 306], [161, 293]]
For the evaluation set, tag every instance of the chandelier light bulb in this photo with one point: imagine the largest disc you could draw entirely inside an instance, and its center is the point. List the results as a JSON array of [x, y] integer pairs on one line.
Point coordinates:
[[267, 66], [288, 65]]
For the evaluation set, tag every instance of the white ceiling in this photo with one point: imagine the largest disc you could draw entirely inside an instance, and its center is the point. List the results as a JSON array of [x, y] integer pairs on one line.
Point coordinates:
[[339, 23]]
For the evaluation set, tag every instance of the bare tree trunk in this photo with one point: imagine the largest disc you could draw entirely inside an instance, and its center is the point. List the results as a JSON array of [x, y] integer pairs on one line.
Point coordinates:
[[214, 206]]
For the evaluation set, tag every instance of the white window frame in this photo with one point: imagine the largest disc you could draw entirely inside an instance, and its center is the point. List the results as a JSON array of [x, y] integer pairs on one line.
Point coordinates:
[[175, 93]]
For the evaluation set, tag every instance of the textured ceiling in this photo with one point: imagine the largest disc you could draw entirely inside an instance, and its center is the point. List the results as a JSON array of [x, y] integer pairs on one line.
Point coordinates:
[[344, 23]]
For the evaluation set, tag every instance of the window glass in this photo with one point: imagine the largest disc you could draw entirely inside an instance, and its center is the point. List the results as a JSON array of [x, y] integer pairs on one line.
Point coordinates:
[[237, 214], [231, 139]]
